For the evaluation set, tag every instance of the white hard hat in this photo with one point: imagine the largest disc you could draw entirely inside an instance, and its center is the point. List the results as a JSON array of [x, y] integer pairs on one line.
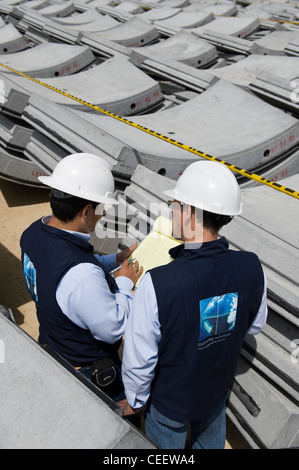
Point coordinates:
[[209, 186], [83, 175]]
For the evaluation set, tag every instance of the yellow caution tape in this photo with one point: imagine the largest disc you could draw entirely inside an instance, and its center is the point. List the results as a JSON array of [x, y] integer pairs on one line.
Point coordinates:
[[236, 169]]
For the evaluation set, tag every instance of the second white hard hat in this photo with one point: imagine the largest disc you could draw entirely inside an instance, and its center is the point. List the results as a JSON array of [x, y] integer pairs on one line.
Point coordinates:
[[83, 175], [209, 186]]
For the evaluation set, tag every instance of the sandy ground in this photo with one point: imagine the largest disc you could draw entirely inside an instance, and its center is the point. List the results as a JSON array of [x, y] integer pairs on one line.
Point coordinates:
[[19, 207]]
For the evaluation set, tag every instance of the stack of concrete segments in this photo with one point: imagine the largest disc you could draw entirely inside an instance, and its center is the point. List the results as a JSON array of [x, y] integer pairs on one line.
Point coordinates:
[[11, 40], [213, 112], [54, 392], [142, 61], [182, 47], [136, 92], [49, 60]]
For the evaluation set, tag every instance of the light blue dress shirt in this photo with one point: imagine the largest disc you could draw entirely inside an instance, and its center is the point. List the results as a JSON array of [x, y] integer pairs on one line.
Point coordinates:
[[142, 337], [85, 298]]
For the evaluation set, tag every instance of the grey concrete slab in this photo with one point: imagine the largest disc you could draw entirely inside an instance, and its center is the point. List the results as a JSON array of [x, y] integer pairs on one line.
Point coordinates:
[[59, 411], [269, 10], [60, 33], [11, 40], [126, 6], [232, 44], [277, 90], [76, 19], [276, 42], [32, 4], [183, 20], [99, 23], [104, 47], [175, 3], [71, 132], [292, 48], [245, 71], [49, 60], [73, 33], [58, 9], [19, 169], [234, 26], [276, 424], [14, 134], [160, 13], [98, 3], [135, 92], [7, 9], [125, 147], [2, 23], [271, 350], [182, 46], [178, 73], [135, 32], [12, 2], [218, 9], [44, 152], [271, 232], [34, 19], [213, 123]]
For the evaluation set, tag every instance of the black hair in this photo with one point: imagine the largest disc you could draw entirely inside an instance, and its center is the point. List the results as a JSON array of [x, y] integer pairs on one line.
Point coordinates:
[[66, 208], [214, 222]]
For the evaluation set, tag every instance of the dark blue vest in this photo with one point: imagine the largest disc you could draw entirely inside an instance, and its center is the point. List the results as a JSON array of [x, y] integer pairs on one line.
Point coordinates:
[[47, 254], [207, 299]]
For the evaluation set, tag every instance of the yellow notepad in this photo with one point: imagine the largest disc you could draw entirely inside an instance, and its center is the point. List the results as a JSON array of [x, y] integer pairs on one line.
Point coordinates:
[[153, 250]]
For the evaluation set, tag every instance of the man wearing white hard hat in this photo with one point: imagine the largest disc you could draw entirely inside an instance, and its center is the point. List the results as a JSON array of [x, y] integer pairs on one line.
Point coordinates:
[[189, 317], [82, 310]]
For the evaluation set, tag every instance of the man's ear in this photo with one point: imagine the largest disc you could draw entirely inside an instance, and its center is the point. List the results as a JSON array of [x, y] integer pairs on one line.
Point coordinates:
[[83, 212], [187, 213], [187, 225]]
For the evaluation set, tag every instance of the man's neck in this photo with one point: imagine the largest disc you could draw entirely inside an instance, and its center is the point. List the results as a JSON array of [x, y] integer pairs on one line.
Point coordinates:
[[72, 226], [205, 236]]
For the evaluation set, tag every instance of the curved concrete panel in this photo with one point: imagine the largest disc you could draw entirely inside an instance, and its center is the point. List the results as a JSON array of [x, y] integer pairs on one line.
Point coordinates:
[[127, 7], [133, 93], [227, 9], [161, 13], [235, 26], [276, 42], [11, 40], [19, 170], [213, 123], [183, 47], [133, 33], [33, 4], [49, 60], [58, 9], [100, 23], [87, 16], [246, 70], [224, 121], [183, 20]]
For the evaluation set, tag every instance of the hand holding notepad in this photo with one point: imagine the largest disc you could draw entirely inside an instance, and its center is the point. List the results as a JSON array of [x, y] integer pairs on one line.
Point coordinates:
[[153, 250]]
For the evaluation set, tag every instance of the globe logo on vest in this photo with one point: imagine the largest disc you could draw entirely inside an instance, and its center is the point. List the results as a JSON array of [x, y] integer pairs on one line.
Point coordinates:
[[217, 317]]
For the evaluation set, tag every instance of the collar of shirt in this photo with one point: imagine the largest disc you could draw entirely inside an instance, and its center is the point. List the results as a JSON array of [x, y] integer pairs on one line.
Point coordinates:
[[84, 236]]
